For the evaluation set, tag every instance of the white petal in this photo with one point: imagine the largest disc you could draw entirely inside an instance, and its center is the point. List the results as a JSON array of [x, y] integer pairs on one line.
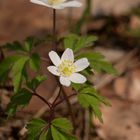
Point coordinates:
[[54, 58], [40, 2], [78, 78], [58, 7], [73, 3], [68, 55], [81, 64], [53, 70], [65, 81]]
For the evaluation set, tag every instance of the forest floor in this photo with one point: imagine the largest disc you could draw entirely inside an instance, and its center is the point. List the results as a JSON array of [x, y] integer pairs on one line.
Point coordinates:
[[117, 24]]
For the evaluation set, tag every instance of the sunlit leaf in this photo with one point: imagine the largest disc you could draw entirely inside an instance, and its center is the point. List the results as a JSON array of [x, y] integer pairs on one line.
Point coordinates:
[[76, 42], [98, 62], [35, 129], [62, 123], [34, 62], [17, 70]]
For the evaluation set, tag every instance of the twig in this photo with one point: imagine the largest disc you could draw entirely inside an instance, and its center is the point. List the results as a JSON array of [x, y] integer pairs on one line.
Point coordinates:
[[45, 108], [42, 99], [61, 101]]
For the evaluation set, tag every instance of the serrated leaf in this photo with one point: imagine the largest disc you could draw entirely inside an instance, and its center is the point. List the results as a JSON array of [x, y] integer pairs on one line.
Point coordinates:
[[89, 98], [104, 66], [22, 98], [6, 64], [15, 46], [17, 70], [35, 129], [58, 134], [62, 123], [70, 40], [34, 62], [84, 42], [98, 62], [86, 100], [36, 81], [91, 56], [91, 91], [31, 42], [97, 113], [76, 42]]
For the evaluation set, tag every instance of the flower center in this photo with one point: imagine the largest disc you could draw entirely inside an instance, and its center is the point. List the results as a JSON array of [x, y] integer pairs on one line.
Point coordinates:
[[55, 2], [66, 68]]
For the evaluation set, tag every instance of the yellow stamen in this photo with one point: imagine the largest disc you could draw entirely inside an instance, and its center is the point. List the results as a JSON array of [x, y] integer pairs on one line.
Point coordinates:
[[55, 2], [66, 68]]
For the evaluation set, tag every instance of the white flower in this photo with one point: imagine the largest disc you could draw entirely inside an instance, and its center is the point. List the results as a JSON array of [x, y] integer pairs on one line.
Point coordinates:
[[57, 4], [66, 68]]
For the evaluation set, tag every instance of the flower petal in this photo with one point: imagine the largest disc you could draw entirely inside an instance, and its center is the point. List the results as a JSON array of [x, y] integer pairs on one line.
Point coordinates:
[[65, 81], [78, 78], [68, 55], [72, 3], [58, 7], [40, 2], [81, 64], [54, 58], [53, 70]]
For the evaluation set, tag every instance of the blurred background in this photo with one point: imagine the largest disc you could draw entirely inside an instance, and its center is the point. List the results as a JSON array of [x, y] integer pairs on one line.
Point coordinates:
[[117, 25]]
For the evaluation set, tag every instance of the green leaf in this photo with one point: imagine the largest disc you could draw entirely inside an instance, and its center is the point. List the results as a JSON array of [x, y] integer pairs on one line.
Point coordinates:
[[7, 63], [97, 113], [91, 56], [49, 135], [98, 62], [17, 70], [61, 129], [36, 81], [34, 62], [70, 40], [76, 42], [62, 123], [89, 98], [84, 42], [22, 98], [31, 42], [15, 46], [92, 91], [58, 134], [35, 128]]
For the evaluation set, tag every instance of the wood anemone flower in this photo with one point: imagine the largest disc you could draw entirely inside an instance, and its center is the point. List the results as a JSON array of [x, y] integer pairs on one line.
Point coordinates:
[[66, 68], [58, 4]]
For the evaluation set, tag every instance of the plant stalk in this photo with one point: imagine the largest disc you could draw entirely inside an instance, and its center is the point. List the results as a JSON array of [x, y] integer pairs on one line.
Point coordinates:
[[54, 30]]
